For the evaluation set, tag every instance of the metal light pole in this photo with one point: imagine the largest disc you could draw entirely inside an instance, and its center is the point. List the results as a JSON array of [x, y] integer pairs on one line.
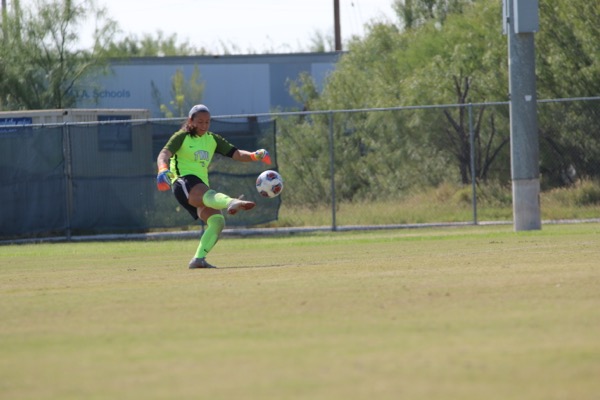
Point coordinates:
[[520, 22]]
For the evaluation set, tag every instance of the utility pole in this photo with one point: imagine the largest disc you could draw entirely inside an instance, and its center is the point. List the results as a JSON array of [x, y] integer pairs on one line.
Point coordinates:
[[336, 25], [520, 22], [4, 19]]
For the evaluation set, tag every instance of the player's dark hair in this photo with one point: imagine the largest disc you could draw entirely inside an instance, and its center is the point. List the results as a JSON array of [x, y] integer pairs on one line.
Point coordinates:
[[187, 126]]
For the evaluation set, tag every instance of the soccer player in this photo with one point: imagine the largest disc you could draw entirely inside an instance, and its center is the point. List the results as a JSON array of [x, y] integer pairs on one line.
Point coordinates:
[[183, 165]]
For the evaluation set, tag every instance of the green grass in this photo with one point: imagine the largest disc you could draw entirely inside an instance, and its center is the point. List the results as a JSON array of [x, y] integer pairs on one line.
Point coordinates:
[[456, 313]]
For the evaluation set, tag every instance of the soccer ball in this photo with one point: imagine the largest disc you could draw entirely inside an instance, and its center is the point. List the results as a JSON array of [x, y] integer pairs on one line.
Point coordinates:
[[269, 184]]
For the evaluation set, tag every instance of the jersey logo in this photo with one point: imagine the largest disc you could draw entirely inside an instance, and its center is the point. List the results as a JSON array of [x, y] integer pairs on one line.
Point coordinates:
[[201, 155]]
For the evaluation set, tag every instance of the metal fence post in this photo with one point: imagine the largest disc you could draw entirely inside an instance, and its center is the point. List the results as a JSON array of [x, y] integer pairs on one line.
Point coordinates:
[[68, 171], [332, 172], [473, 172]]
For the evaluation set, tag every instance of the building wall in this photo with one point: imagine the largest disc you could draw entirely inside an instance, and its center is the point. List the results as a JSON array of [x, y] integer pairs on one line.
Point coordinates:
[[241, 84]]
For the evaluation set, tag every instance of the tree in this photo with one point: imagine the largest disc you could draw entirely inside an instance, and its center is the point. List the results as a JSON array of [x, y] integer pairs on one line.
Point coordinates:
[[157, 45], [41, 65], [320, 42], [453, 52], [301, 142], [459, 61], [184, 94], [467, 66], [568, 65], [414, 13]]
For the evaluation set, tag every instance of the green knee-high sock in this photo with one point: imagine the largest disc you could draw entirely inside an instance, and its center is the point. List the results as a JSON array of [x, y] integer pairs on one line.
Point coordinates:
[[214, 226], [215, 200]]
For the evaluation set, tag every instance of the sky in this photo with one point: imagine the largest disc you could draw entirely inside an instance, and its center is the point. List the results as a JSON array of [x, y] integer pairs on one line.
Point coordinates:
[[249, 26]]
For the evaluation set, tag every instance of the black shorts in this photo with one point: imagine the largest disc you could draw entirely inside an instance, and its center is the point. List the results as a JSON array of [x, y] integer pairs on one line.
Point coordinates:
[[181, 189]]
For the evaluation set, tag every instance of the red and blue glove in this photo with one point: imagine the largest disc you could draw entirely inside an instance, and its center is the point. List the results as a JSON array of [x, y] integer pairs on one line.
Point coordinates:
[[163, 179], [261, 155]]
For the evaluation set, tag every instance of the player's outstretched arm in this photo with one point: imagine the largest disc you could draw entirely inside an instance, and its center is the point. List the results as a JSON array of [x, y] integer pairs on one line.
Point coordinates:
[[247, 156]]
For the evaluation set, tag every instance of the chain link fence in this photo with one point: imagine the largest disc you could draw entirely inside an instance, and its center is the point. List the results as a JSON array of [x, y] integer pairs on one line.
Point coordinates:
[[343, 169], [433, 164]]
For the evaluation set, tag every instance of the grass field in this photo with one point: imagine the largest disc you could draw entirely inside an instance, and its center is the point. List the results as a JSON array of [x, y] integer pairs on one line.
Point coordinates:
[[449, 313]]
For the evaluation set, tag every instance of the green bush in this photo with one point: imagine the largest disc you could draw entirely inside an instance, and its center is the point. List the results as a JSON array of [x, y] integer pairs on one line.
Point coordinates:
[[587, 193], [582, 193]]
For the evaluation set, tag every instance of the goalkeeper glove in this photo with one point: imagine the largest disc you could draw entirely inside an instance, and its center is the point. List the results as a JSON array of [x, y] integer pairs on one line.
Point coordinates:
[[163, 179], [261, 155]]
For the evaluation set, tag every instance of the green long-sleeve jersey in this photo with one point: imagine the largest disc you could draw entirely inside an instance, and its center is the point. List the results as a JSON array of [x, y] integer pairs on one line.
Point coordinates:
[[192, 154]]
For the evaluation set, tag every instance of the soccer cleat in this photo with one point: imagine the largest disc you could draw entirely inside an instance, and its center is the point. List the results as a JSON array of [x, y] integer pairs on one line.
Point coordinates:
[[200, 263], [238, 204]]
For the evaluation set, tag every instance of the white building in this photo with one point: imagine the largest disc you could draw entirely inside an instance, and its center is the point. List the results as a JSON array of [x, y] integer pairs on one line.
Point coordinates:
[[236, 84]]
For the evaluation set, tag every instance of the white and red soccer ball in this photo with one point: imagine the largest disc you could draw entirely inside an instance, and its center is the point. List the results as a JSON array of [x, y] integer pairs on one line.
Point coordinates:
[[269, 184]]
